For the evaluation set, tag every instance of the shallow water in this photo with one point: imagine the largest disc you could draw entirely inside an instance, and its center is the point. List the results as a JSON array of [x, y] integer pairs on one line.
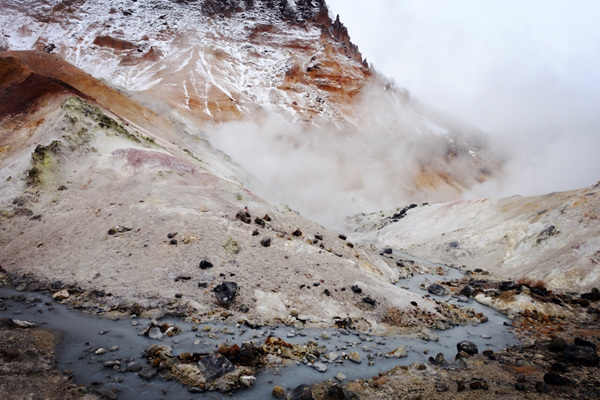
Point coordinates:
[[83, 334]]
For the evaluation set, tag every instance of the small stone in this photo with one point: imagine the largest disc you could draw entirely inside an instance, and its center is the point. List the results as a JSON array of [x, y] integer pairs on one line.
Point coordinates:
[[302, 392], [400, 352], [356, 289], [171, 235], [278, 392], [266, 241], [247, 380], [114, 348], [355, 357], [225, 292], [61, 295], [319, 366], [332, 356], [369, 301], [552, 378], [467, 291], [147, 373], [325, 336], [437, 289], [134, 366], [557, 344], [467, 347], [205, 264], [155, 333], [100, 351], [340, 377], [215, 365]]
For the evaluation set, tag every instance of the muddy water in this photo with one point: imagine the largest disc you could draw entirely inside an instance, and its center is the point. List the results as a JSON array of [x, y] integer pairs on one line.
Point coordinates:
[[84, 334]]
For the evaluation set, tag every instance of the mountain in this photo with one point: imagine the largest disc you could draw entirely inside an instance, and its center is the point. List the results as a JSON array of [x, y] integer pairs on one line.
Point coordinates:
[[269, 74]]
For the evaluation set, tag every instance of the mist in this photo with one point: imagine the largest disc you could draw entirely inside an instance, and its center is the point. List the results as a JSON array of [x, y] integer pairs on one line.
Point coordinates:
[[329, 172], [526, 73]]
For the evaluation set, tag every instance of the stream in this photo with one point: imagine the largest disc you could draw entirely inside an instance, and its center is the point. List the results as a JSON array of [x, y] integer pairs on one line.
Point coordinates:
[[83, 334]]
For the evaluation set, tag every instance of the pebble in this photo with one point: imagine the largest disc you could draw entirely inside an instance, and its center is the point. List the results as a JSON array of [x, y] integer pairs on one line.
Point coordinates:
[[155, 333], [61, 295], [319, 366], [400, 352], [340, 377], [355, 357], [325, 336], [100, 351], [247, 380]]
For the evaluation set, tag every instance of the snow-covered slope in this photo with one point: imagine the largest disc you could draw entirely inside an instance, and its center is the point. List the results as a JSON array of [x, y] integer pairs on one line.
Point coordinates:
[[206, 62], [554, 238]]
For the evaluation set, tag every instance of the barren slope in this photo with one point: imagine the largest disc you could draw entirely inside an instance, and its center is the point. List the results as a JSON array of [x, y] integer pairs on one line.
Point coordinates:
[[88, 202], [554, 238]]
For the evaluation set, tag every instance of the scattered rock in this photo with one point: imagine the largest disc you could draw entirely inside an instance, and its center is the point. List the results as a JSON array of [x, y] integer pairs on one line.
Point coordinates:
[[171, 235], [340, 377], [356, 289], [297, 232], [247, 380], [147, 373], [134, 366], [467, 291], [369, 301], [583, 355], [244, 216], [467, 347], [205, 264], [302, 392], [214, 365], [225, 292], [354, 357], [278, 392], [437, 289], [155, 333], [552, 378], [266, 241], [582, 342], [400, 352], [557, 344], [319, 366], [507, 285], [61, 295]]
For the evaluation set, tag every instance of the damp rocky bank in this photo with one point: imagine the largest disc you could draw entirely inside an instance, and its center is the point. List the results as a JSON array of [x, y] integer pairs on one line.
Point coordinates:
[[160, 353]]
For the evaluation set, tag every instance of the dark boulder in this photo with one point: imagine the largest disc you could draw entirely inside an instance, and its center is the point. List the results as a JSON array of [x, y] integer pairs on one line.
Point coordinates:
[[302, 392], [369, 301], [205, 264], [552, 378], [557, 344], [249, 355], [226, 292], [356, 289], [437, 289], [467, 347], [214, 365], [583, 342], [582, 355], [244, 216], [297, 232], [266, 241], [467, 291], [594, 295], [508, 285]]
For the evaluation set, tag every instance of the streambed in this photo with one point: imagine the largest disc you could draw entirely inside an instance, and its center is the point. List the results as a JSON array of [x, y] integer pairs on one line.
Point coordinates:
[[83, 335]]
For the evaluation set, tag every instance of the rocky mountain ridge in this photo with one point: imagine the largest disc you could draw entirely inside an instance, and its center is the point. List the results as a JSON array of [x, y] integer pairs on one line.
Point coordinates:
[[203, 63]]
